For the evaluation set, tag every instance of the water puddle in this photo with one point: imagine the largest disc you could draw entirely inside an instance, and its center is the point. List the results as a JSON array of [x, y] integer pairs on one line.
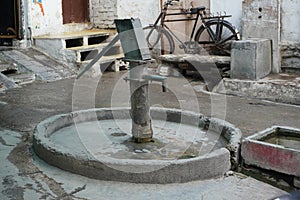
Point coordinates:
[[287, 139]]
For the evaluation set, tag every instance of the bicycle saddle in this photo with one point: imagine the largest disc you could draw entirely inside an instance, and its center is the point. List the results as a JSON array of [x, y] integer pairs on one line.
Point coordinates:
[[197, 9]]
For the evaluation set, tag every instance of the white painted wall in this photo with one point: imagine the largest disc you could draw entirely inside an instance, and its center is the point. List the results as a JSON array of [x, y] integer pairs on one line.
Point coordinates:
[[146, 10], [232, 7], [50, 22], [290, 20], [46, 18], [44, 22]]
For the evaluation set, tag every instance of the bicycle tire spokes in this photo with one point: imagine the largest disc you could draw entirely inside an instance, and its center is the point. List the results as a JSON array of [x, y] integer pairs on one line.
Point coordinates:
[[219, 31], [215, 37], [231, 37]]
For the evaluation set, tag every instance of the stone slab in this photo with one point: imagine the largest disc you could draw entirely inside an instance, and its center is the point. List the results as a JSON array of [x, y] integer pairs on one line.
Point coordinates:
[[284, 88], [194, 58]]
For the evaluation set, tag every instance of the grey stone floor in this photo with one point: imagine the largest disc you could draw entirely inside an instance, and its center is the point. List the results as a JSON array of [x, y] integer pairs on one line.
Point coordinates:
[[46, 182], [24, 176]]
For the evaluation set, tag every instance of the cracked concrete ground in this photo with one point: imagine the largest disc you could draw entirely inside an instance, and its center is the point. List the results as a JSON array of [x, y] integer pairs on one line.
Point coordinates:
[[24, 176]]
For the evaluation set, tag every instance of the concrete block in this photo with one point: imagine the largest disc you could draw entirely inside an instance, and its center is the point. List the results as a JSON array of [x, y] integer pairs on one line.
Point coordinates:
[[283, 157], [251, 59]]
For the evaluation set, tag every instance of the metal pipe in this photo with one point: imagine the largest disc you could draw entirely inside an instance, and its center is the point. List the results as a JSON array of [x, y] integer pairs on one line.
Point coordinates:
[[158, 78]]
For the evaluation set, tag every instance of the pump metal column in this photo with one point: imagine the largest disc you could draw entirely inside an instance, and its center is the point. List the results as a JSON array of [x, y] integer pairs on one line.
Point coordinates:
[[133, 41], [137, 53]]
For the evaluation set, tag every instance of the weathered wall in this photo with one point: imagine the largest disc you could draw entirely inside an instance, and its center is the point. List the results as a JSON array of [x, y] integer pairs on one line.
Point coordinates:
[[45, 17], [261, 19], [103, 13], [272, 19], [290, 34], [232, 7], [279, 21], [290, 20], [146, 10]]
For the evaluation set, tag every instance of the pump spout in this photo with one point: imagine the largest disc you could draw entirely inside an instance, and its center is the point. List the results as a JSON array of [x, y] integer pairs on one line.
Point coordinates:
[[164, 86], [158, 78]]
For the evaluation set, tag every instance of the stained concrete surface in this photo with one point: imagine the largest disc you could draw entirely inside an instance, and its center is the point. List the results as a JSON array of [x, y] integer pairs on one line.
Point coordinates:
[[26, 177]]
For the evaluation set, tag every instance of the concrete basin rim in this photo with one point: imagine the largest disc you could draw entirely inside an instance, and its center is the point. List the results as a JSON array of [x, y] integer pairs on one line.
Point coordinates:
[[41, 138]]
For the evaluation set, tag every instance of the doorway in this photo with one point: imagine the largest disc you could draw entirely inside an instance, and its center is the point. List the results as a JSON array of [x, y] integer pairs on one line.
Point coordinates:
[[9, 21], [75, 11]]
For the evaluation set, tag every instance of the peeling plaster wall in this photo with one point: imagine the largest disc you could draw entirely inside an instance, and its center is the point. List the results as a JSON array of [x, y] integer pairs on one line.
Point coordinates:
[[290, 20], [103, 12], [279, 21], [290, 34], [146, 10], [46, 18], [261, 19]]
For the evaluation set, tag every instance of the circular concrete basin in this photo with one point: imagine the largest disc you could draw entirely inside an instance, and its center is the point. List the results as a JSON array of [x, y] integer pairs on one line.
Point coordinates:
[[97, 143]]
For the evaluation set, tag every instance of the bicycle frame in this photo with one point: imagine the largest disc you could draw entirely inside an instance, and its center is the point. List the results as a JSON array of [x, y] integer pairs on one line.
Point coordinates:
[[199, 14], [162, 19]]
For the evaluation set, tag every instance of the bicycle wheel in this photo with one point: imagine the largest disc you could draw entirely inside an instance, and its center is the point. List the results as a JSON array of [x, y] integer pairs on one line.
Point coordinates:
[[159, 41], [216, 37]]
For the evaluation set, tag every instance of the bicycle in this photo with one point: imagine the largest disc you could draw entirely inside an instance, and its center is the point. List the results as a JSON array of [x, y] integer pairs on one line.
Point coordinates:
[[214, 35]]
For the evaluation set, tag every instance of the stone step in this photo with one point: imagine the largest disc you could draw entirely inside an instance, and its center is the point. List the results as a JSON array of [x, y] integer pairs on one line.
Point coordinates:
[[80, 38], [112, 63], [90, 51], [77, 48]]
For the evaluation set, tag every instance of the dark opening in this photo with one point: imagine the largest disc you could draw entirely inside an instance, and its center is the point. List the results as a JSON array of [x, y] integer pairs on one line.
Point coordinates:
[[74, 42], [88, 55], [9, 71], [9, 21], [114, 50], [97, 40], [6, 42]]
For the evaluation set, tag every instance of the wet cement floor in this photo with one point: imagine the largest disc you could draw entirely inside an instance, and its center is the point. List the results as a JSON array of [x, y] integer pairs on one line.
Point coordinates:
[[22, 108], [25, 177]]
